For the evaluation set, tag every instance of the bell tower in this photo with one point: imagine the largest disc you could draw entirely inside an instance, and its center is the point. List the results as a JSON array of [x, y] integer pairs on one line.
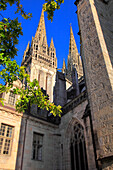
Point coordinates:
[[40, 60]]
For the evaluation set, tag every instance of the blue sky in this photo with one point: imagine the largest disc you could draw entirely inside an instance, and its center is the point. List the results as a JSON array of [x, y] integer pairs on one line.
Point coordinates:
[[59, 29]]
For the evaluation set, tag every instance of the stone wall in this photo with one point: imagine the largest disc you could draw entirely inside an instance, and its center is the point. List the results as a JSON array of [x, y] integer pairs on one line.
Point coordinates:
[[67, 123], [51, 145], [94, 17], [45, 75], [105, 13], [60, 94], [10, 117]]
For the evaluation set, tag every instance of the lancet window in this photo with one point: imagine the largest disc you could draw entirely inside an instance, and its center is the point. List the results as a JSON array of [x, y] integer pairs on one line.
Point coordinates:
[[78, 148]]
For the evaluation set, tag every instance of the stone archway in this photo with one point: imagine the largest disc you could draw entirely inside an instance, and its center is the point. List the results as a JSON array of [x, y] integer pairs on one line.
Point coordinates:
[[78, 148], [76, 158]]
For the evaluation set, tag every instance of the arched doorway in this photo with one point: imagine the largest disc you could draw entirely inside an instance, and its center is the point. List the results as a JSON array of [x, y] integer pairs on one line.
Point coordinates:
[[78, 148]]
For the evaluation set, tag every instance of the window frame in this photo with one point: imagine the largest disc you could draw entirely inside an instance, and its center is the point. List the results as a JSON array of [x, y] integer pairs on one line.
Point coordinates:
[[36, 156], [5, 137], [12, 96], [78, 153]]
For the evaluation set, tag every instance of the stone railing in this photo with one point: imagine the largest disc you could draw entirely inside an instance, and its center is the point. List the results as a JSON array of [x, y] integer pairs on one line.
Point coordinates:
[[73, 103]]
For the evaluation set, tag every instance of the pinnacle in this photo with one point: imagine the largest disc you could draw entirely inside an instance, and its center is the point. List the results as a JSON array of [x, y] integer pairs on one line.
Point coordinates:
[[52, 43], [64, 66], [28, 46]]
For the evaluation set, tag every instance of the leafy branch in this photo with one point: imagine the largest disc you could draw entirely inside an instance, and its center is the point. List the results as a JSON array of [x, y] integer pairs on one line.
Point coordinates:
[[10, 71], [50, 6]]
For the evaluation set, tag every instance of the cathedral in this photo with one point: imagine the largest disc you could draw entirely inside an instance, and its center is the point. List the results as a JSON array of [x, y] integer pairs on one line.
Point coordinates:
[[82, 139]]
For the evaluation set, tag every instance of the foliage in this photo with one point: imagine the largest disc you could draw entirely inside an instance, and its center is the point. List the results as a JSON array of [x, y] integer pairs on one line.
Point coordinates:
[[20, 9], [10, 70], [50, 6]]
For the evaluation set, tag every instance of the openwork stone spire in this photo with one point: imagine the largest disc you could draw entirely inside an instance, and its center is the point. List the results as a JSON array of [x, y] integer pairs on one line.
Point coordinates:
[[73, 57], [72, 44], [41, 30]]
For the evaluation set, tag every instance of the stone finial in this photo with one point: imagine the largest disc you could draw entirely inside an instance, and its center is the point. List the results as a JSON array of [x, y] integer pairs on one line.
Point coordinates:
[[52, 43], [25, 52], [64, 66]]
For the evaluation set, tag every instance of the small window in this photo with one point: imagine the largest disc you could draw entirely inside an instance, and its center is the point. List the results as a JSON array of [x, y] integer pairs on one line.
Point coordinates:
[[36, 47], [6, 134], [11, 100], [35, 56], [37, 146], [53, 55]]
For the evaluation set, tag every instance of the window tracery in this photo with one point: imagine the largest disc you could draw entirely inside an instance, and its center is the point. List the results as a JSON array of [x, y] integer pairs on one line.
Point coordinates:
[[78, 148]]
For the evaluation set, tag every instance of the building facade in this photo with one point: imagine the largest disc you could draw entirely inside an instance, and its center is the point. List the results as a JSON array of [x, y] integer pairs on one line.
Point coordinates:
[[82, 139]]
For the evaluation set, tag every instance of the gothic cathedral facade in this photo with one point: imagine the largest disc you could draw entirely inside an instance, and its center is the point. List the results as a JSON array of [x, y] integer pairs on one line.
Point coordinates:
[[83, 138]]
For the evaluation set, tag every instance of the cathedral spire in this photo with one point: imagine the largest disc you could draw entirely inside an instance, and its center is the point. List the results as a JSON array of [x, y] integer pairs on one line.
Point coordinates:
[[72, 44], [41, 30], [74, 59], [64, 66]]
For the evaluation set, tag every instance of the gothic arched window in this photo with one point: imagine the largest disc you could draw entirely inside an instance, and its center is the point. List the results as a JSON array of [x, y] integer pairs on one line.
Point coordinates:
[[78, 149]]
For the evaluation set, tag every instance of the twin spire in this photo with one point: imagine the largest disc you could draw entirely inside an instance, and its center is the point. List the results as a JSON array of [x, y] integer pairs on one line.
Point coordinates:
[[41, 31], [39, 42], [74, 59]]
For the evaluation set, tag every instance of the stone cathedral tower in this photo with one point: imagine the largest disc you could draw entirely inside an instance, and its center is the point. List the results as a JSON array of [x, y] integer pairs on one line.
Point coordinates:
[[73, 58], [40, 60]]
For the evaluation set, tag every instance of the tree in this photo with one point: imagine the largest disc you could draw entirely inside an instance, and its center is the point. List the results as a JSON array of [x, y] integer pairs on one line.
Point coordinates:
[[50, 6], [10, 70]]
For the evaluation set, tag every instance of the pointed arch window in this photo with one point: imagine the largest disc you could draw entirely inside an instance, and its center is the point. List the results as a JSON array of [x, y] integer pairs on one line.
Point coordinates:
[[36, 47], [35, 56], [53, 55], [78, 148]]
